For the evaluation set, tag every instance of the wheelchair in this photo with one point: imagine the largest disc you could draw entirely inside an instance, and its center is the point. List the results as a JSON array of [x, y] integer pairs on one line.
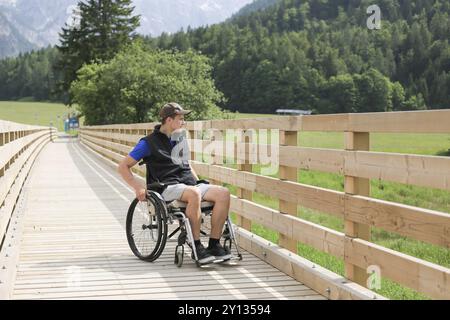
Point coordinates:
[[147, 227]]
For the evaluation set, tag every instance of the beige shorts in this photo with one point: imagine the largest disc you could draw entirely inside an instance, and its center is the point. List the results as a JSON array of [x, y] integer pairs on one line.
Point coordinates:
[[174, 192]]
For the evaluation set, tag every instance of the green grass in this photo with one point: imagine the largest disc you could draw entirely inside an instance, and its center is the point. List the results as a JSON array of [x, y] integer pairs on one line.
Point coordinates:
[[34, 113]]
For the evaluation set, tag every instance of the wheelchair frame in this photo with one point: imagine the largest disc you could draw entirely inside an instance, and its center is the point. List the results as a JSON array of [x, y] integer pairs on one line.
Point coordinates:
[[161, 214]]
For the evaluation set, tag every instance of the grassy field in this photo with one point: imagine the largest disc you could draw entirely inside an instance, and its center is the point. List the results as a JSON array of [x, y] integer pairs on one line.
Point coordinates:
[[35, 113], [426, 144]]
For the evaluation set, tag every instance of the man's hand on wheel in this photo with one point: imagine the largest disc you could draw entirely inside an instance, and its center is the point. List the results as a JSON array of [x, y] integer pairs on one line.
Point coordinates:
[[140, 194]]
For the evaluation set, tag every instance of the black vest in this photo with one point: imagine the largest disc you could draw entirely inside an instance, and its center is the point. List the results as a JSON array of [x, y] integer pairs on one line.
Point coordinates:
[[161, 166]]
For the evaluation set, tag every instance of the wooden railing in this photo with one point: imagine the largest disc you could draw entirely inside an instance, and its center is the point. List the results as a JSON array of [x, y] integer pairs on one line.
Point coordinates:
[[19, 146], [358, 210]]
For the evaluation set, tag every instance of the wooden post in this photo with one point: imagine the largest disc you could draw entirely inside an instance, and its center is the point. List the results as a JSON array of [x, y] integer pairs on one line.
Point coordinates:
[[243, 193], [192, 136], [217, 157], [288, 138], [356, 186]]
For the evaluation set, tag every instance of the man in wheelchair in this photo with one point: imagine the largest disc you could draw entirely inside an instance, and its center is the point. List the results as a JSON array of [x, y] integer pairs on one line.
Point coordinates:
[[180, 181]]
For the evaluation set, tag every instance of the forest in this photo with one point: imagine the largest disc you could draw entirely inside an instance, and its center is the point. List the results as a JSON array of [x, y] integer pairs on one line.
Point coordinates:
[[297, 54]]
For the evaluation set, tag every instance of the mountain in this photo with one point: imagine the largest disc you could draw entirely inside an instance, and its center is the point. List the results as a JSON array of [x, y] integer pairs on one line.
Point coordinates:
[[171, 15], [29, 24], [11, 40], [255, 6]]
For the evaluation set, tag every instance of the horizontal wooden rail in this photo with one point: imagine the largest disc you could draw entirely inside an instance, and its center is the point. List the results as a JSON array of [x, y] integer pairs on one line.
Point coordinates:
[[432, 121]]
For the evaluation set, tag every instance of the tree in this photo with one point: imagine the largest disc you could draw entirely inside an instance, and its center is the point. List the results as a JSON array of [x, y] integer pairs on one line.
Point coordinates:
[[374, 92], [105, 27], [397, 96], [134, 85], [415, 103], [341, 94]]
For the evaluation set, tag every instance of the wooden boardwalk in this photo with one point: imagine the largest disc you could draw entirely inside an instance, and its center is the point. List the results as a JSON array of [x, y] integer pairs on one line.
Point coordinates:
[[73, 243]]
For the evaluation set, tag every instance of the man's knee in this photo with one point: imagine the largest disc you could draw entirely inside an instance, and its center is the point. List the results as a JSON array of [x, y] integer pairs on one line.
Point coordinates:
[[223, 194], [192, 195]]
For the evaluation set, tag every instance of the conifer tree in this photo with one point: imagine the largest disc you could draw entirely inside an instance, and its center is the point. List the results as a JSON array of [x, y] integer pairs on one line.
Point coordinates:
[[104, 28]]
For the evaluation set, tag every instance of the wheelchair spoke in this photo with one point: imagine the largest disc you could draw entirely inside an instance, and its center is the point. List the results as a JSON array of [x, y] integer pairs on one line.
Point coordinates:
[[145, 230]]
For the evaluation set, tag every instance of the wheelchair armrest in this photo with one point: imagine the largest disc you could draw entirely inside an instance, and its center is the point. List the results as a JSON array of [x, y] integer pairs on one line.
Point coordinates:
[[157, 187], [202, 181]]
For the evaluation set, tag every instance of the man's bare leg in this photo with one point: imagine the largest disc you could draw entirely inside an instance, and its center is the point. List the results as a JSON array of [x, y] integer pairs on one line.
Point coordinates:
[[192, 196], [221, 198]]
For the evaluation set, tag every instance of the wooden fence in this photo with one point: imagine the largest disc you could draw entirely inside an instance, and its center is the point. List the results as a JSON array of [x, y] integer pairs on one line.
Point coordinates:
[[19, 146], [356, 163]]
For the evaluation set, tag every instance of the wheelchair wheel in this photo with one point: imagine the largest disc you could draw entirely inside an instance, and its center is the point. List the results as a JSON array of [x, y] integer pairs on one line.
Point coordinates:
[[227, 244], [179, 256], [146, 228]]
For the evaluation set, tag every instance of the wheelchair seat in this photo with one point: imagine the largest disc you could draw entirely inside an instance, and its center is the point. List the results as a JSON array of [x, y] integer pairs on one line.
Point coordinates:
[[204, 206]]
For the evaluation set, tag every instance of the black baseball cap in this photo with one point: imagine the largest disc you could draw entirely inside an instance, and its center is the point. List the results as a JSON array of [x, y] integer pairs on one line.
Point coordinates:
[[172, 109]]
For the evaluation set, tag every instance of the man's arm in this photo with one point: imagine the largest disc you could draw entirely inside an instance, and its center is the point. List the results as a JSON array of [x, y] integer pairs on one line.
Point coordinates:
[[125, 171]]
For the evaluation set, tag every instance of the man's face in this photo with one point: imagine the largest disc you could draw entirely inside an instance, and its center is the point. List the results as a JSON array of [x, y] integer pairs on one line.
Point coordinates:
[[177, 122]]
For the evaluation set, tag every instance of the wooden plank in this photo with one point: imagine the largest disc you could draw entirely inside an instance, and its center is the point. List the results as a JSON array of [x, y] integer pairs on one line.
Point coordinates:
[[168, 293], [128, 138], [430, 121], [117, 127], [243, 192], [325, 123], [181, 284], [425, 277], [418, 223], [112, 146], [288, 138], [426, 171], [319, 237], [326, 160], [356, 186], [293, 123]]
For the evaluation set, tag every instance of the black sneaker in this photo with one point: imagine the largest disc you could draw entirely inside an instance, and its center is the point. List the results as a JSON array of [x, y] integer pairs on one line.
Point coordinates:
[[219, 252], [204, 257]]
